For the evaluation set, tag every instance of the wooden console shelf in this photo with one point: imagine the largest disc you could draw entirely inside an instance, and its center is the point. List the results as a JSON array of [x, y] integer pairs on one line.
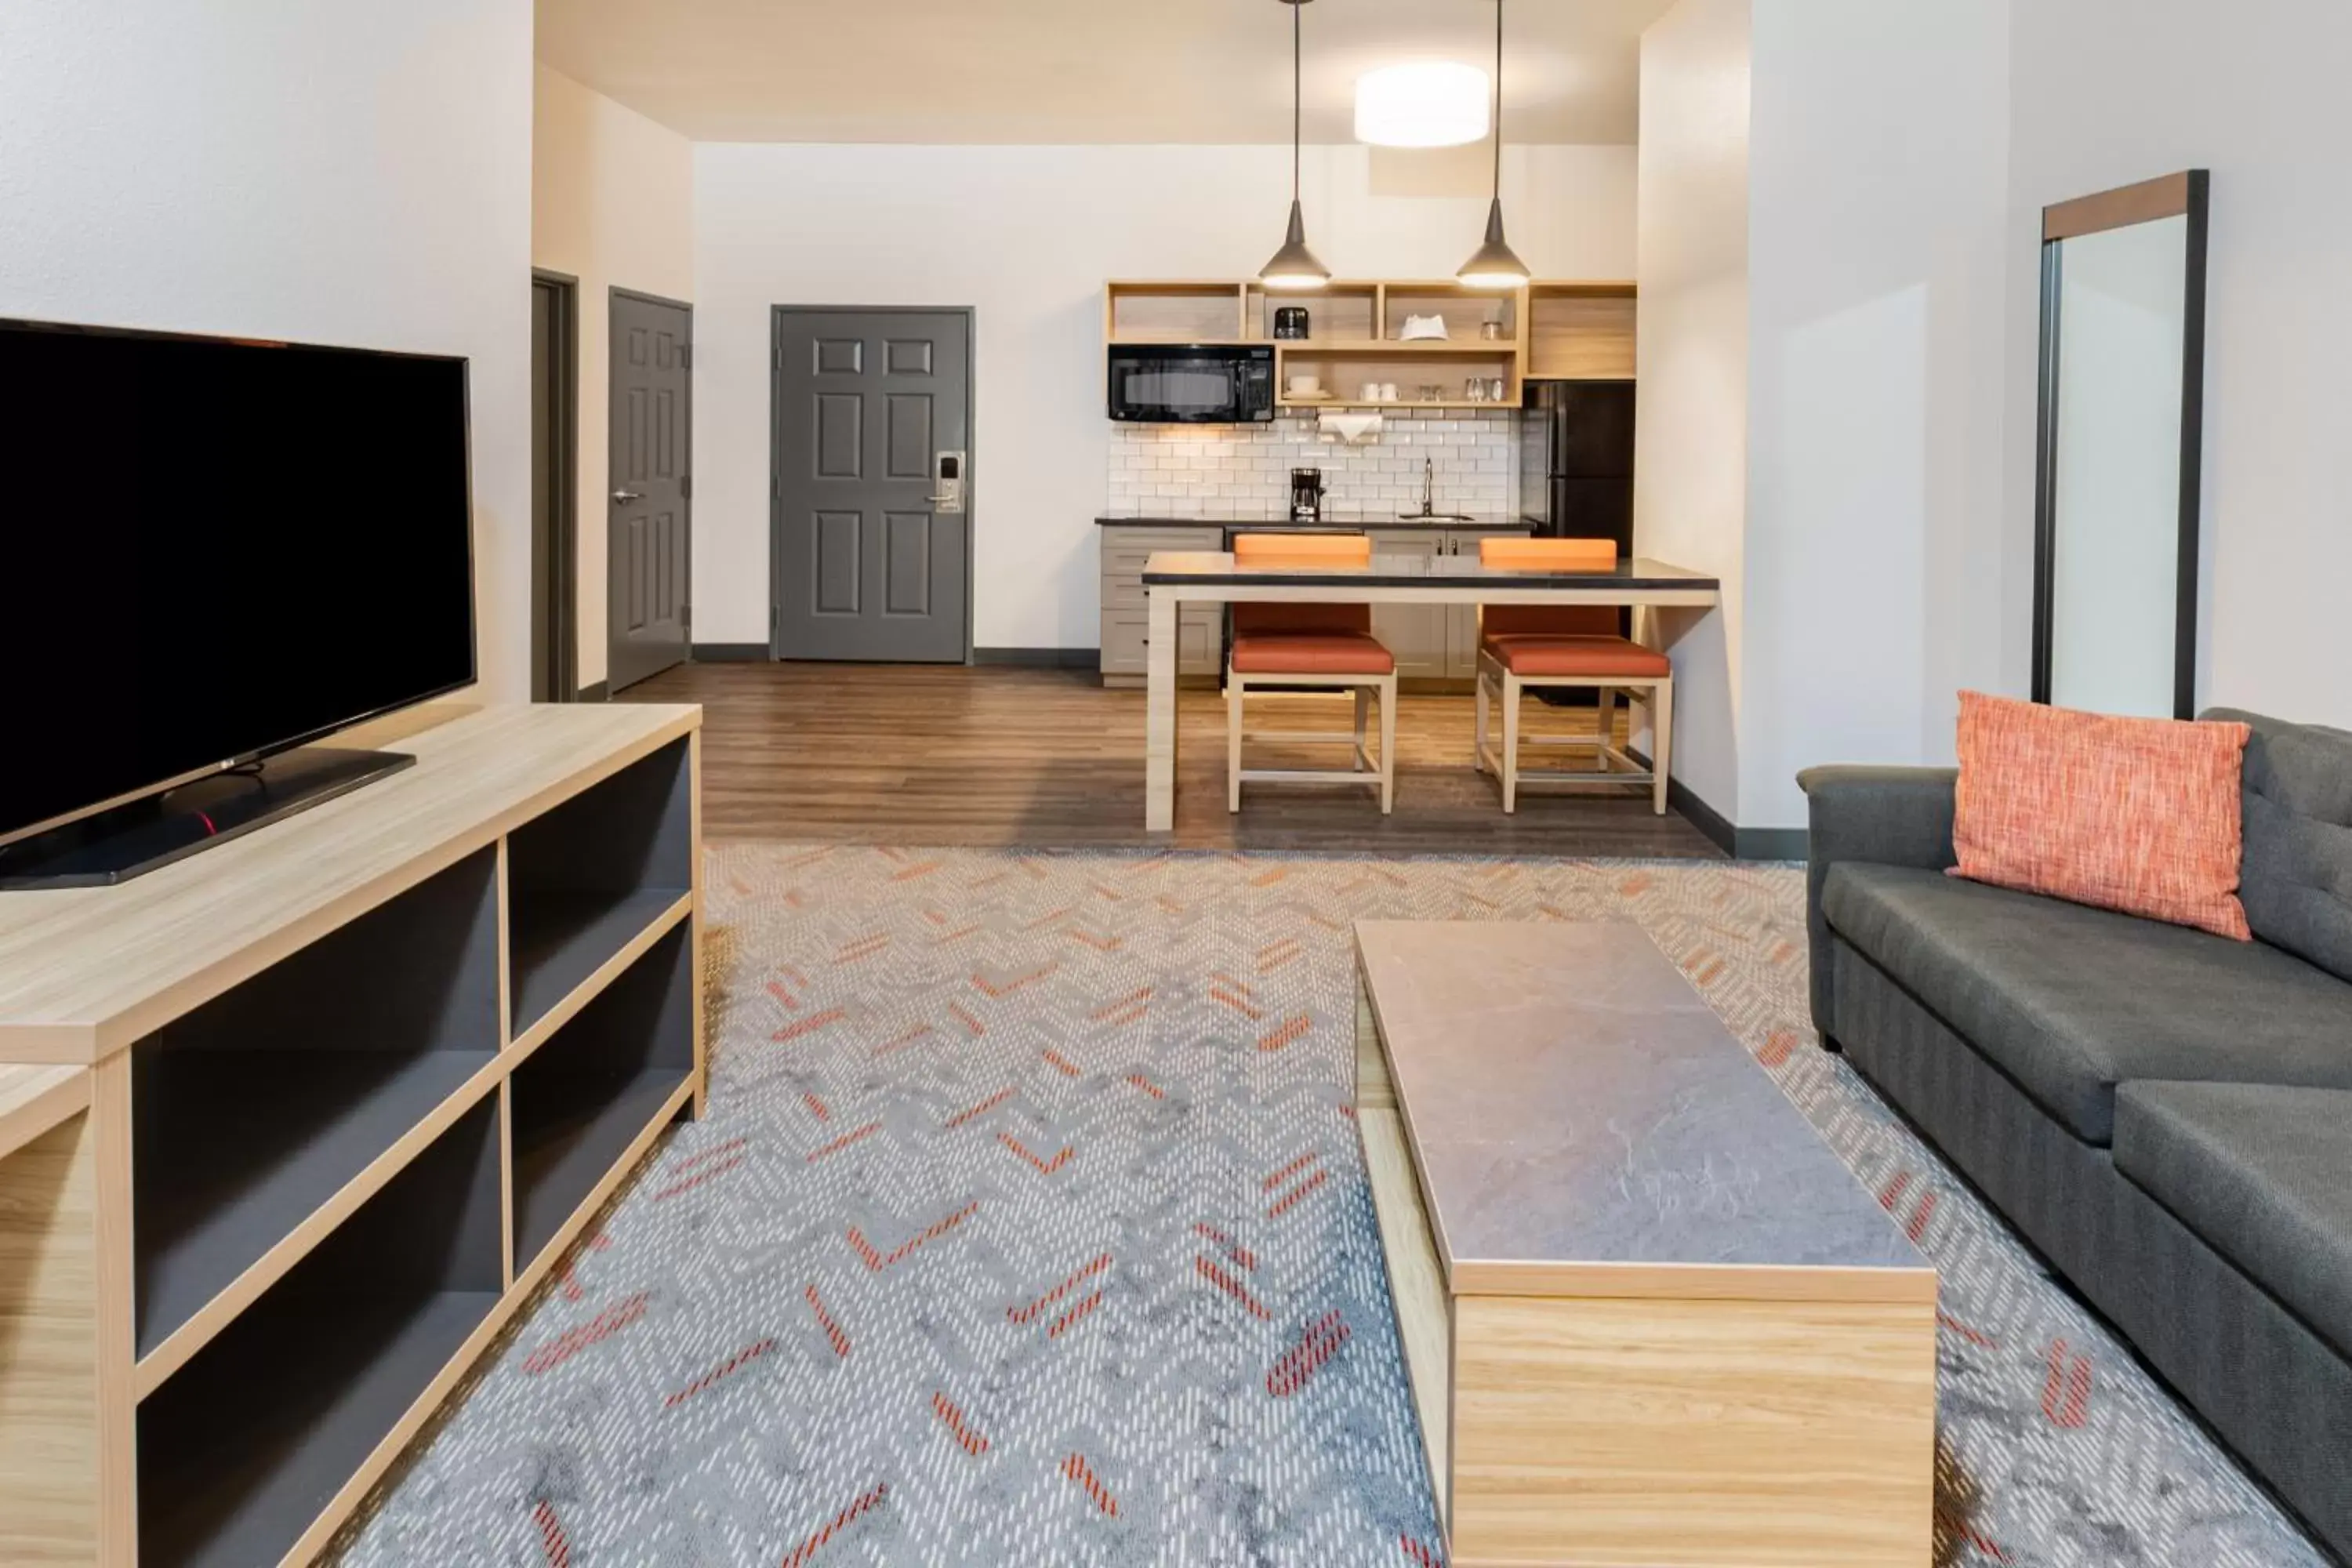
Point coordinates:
[[290, 1128]]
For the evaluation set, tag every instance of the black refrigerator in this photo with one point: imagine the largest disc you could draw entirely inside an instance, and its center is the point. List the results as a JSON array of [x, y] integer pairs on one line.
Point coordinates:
[[1575, 460]]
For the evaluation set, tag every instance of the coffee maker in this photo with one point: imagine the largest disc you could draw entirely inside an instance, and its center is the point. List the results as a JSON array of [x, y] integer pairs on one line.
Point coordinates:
[[1306, 495]]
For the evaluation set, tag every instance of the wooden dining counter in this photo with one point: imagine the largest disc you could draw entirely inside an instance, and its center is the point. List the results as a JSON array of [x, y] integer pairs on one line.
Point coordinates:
[[1171, 578]]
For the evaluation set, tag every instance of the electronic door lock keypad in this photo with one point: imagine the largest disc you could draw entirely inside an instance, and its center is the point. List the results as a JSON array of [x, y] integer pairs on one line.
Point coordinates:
[[948, 476]]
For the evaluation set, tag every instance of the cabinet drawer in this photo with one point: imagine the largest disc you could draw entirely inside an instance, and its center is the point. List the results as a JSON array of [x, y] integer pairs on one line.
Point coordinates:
[[1464, 540], [1124, 591], [1122, 644], [1125, 550], [1200, 637]]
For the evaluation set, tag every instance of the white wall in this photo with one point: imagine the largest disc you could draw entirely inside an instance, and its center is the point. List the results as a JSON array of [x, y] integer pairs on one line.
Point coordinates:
[[612, 205], [355, 174], [1874, 549], [2108, 91], [1690, 464], [1027, 236]]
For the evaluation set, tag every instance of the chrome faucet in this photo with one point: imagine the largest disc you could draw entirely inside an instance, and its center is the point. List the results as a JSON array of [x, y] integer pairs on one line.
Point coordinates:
[[1429, 487]]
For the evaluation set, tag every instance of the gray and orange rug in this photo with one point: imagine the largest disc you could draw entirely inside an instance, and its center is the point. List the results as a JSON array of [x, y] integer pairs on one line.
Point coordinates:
[[1028, 1225]]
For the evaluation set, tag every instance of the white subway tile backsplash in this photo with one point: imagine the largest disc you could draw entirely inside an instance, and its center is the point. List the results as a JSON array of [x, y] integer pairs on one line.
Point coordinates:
[[1180, 470]]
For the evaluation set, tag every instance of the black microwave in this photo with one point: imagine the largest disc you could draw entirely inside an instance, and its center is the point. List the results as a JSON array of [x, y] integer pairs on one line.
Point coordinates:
[[1192, 384]]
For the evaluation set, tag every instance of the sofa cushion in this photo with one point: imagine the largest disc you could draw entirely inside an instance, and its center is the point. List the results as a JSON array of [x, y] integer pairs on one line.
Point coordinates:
[[2071, 1001], [2144, 816], [1562, 657], [1311, 653], [2296, 882], [2262, 1175]]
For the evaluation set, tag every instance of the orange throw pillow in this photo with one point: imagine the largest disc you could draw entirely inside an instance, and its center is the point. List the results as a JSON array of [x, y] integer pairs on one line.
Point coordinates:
[[2137, 814]]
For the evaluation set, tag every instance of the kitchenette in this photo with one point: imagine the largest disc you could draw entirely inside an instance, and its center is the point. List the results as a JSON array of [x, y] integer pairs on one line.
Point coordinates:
[[1426, 415]]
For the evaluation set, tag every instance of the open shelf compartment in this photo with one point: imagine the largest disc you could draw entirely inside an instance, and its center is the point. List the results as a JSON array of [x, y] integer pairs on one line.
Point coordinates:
[[1463, 311], [583, 1097], [259, 1107], [1173, 312], [591, 874], [1337, 311], [244, 1447], [1582, 332]]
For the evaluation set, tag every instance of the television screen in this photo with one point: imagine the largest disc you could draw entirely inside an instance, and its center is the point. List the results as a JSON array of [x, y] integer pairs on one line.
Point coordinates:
[[217, 549]]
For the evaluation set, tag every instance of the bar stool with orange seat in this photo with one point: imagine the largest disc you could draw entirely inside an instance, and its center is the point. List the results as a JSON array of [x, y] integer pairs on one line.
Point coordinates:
[[1309, 644], [1520, 646]]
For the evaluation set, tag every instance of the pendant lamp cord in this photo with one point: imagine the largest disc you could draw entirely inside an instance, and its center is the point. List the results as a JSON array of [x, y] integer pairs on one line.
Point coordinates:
[[1296, 79], [1498, 99]]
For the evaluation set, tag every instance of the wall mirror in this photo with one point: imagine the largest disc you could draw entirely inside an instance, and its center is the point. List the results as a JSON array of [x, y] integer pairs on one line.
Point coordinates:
[[2121, 429]]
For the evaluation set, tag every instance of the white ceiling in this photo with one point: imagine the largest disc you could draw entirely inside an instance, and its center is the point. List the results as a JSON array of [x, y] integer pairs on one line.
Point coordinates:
[[1079, 70]]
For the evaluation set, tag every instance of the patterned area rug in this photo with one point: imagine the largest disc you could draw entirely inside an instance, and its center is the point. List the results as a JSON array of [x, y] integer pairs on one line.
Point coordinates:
[[1028, 1224]]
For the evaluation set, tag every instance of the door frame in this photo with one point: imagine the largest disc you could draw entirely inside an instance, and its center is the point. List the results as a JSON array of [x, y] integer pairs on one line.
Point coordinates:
[[777, 316], [613, 295], [556, 556]]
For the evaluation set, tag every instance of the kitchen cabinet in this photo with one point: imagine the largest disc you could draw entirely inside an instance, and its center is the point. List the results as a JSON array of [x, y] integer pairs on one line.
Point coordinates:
[[1415, 634], [1200, 628], [1433, 644]]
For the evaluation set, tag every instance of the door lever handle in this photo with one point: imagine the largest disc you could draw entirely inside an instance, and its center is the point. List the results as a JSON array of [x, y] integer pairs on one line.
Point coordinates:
[[624, 497], [950, 498]]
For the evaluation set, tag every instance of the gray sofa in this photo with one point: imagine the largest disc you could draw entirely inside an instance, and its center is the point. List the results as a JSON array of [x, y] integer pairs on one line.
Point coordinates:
[[2165, 1114]]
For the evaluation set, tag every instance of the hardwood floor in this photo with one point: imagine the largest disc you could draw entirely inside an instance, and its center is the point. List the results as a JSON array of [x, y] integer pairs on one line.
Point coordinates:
[[947, 754]]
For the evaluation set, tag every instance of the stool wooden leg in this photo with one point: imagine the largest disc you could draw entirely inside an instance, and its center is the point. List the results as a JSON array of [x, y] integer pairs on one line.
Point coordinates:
[[1233, 689], [1510, 744], [1605, 711], [1478, 744], [1388, 742], [1661, 729], [1363, 696]]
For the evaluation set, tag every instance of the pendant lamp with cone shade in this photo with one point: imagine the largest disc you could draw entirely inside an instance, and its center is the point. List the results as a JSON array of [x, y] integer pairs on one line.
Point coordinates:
[[1293, 267], [1496, 265]]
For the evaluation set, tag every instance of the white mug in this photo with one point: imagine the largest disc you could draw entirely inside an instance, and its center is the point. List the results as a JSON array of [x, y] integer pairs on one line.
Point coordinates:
[[1306, 386], [1388, 392], [1372, 392]]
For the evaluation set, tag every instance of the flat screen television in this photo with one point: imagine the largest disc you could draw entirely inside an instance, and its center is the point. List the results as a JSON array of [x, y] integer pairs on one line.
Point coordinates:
[[216, 551]]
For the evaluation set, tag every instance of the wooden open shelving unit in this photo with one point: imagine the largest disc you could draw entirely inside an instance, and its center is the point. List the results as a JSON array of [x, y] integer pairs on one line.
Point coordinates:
[[290, 1128], [1553, 331]]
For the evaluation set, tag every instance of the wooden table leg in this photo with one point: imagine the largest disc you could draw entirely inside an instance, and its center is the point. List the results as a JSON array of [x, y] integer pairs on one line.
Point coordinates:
[[1160, 713]]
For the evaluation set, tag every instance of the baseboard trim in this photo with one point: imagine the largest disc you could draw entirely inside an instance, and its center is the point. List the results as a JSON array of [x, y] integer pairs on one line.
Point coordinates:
[[1739, 843], [1040, 657], [595, 691], [731, 653], [1774, 844]]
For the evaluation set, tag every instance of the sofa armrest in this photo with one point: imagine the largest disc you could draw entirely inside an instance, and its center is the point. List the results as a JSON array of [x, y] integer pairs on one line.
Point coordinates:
[[1890, 816]]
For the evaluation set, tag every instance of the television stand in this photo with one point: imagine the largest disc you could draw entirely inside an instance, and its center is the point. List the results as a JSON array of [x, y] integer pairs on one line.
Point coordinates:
[[290, 1133], [120, 843]]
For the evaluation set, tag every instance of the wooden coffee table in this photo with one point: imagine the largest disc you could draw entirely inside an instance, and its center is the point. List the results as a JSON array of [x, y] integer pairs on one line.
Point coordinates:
[[1648, 1316]]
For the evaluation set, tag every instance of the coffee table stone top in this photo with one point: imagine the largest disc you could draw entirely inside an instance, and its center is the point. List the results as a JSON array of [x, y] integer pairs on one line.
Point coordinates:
[[1582, 1123]]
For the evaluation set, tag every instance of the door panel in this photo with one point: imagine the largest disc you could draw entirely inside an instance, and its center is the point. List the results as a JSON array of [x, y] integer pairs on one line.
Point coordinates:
[[648, 561], [867, 566], [833, 563], [909, 445], [907, 564]]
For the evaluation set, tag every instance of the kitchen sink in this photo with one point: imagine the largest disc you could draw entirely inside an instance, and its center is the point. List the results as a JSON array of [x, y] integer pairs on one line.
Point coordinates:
[[1435, 517]]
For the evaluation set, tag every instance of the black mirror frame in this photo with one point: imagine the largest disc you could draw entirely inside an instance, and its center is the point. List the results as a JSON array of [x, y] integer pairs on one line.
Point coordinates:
[[2173, 195]]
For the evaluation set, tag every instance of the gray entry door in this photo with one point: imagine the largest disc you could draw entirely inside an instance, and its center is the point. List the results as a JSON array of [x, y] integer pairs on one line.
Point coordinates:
[[648, 557], [872, 540]]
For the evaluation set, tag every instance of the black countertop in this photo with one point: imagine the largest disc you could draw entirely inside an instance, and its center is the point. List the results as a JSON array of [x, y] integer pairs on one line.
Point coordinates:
[[1201, 566]]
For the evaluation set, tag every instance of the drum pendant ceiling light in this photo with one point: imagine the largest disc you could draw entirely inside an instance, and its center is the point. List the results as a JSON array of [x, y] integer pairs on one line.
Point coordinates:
[[1495, 265], [1422, 103], [1293, 267]]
